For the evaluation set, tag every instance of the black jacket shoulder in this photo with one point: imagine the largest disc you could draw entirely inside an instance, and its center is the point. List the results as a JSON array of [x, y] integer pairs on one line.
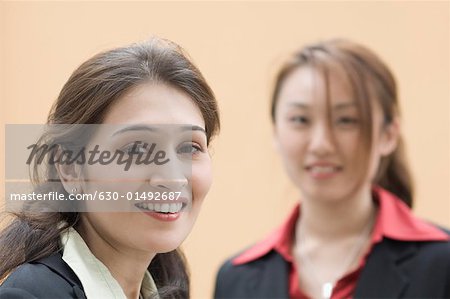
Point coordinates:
[[49, 277], [394, 269], [266, 277]]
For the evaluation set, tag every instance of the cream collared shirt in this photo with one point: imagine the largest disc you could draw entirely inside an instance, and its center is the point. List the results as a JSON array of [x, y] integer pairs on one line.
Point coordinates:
[[97, 281]]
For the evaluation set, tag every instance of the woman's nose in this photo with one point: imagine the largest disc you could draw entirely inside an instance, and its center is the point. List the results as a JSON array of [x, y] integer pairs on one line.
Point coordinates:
[[321, 140], [172, 176]]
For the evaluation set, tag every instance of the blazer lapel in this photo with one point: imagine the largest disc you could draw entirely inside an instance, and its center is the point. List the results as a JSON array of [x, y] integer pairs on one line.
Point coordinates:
[[383, 275], [271, 279]]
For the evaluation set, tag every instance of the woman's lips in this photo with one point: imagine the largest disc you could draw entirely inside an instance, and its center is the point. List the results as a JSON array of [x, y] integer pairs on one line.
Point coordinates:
[[163, 216], [323, 170]]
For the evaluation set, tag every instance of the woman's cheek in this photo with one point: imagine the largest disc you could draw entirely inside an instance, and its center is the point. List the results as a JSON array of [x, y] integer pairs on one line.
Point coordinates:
[[201, 179]]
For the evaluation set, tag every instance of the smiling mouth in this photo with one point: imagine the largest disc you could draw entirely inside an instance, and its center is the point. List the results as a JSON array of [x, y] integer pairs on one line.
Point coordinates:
[[323, 169], [163, 208]]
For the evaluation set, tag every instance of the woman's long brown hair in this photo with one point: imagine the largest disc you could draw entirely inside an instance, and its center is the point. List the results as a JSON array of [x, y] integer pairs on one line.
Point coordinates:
[[369, 78], [85, 99]]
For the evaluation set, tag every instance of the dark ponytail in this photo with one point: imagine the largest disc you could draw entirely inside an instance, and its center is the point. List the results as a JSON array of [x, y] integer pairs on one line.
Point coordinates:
[[394, 175]]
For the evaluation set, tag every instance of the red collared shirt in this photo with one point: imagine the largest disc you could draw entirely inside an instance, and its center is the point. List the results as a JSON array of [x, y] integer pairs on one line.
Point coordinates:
[[394, 220]]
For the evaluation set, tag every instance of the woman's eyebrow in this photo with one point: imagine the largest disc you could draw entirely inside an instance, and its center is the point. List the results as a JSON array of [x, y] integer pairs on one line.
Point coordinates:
[[192, 128], [136, 128], [156, 128], [298, 105]]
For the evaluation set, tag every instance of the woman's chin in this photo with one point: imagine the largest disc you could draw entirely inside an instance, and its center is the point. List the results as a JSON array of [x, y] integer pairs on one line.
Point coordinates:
[[165, 244]]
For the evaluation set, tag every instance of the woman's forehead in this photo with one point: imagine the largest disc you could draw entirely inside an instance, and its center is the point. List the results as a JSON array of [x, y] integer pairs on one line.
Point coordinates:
[[315, 83]]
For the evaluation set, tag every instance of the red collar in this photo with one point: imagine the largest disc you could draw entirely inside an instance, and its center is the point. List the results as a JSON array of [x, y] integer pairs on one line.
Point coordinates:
[[394, 220]]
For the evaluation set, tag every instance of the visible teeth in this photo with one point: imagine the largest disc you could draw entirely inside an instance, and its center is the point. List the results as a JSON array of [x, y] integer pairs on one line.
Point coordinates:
[[162, 208], [165, 207], [173, 207]]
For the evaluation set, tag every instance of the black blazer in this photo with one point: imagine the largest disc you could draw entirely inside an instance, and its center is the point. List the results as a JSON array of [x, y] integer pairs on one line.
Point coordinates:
[[49, 278], [394, 269]]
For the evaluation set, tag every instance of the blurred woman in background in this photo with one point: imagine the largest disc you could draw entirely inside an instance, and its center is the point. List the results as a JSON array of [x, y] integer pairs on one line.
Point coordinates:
[[336, 125]]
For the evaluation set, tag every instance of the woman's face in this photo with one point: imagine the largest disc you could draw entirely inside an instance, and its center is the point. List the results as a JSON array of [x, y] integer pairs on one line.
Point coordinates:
[[321, 143], [166, 117]]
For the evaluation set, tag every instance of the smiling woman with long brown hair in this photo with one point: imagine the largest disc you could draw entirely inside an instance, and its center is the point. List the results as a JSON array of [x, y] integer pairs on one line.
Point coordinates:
[[336, 125], [99, 254]]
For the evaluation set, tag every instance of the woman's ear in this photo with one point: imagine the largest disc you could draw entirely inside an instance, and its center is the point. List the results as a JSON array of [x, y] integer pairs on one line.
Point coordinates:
[[389, 137], [69, 173]]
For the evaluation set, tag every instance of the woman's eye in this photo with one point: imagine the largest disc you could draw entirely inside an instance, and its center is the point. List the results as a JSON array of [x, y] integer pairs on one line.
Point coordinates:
[[347, 121], [299, 119], [189, 148], [135, 148]]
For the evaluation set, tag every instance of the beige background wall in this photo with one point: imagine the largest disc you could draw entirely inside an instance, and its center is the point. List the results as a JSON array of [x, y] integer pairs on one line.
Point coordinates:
[[238, 46]]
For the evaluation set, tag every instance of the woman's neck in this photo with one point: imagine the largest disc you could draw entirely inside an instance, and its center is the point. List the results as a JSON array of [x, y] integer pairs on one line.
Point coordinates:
[[330, 239], [328, 221], [126, 266]]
